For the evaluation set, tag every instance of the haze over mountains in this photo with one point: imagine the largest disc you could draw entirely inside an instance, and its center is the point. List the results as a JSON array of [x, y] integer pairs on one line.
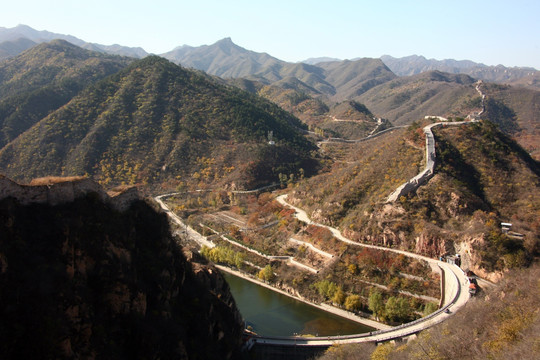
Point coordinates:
[[402, 91], [226, 59], [22, 33], [151, 117]]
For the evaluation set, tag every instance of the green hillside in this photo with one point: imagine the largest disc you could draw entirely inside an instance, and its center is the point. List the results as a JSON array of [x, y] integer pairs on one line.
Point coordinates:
[[156, 122], [43, 79], [505, 324]]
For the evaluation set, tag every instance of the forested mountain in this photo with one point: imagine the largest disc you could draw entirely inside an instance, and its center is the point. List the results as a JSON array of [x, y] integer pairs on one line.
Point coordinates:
[[414, 64], [43, 79], [155, 121], [308, 90]]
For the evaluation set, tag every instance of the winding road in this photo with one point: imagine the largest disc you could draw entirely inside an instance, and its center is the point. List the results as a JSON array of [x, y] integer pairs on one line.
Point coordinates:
[[455, 281], [455, 284]]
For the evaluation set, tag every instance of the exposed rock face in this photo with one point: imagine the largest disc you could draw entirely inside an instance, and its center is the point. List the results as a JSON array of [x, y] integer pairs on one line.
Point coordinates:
[[83, 275], [470, 259]]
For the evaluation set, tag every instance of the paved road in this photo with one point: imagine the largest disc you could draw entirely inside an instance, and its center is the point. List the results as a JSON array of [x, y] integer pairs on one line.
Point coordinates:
[[456, 296], [201, 240], [455, 290]]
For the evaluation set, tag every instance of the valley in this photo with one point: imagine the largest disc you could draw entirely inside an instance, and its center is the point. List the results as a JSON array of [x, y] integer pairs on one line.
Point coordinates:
[[451, 279], [345, 185]]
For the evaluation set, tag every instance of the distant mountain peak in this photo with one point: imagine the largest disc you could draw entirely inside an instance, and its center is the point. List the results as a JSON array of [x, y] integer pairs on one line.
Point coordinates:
[[22, 31], [226, 40], [22, 26], [226, 44], [416, 64]]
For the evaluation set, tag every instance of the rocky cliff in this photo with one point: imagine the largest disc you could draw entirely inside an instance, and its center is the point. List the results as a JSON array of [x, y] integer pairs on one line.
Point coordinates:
[[86, 275]]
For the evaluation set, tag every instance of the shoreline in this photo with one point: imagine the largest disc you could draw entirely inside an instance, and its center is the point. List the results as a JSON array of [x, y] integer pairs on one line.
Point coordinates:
[[324, 307]]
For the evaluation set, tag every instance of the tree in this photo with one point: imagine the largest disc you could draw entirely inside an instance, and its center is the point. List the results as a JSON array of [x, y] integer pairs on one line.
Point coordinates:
[[326, 288], [397, 309], [376, 303], [282, 179], [239, 259], [353, 302], [267, 273], [339, 297], [430, 308]]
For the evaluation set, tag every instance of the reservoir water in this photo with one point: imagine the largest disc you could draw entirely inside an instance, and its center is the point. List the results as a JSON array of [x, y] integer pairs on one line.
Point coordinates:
[[272, 314]]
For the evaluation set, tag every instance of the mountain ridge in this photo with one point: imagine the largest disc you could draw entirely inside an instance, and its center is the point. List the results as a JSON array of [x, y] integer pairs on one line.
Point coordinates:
[[153, 121], [25, 31], [414, 64], [408, 65]]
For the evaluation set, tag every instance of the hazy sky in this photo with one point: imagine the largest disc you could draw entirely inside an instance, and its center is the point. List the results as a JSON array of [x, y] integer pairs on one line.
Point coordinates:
[[492, 32]]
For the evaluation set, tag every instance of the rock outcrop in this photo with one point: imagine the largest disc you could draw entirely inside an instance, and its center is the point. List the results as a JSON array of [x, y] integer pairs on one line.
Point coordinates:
[[85, 275]]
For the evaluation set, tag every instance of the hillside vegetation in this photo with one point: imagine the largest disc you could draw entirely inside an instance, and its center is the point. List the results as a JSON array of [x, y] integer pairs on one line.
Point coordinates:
[[43, 79], [348, 119], [482, 178], [516, 110], [407, 99], [503, 324], [155, 121]]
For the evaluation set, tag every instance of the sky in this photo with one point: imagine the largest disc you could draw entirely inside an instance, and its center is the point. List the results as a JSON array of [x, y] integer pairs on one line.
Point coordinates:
[[490, 32]]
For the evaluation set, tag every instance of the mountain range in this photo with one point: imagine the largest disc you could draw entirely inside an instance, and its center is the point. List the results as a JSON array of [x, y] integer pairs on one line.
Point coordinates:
[[148, 121], [414, 64], [23, 36], [223, 117], [226, 59], [308, 91]]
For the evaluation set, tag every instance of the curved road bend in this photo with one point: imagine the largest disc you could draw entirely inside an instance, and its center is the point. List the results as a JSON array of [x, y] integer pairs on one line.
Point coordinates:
[[455, 297]]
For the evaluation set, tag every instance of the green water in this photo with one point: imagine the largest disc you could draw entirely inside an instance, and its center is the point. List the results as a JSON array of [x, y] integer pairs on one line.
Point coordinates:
[[273, 314]]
